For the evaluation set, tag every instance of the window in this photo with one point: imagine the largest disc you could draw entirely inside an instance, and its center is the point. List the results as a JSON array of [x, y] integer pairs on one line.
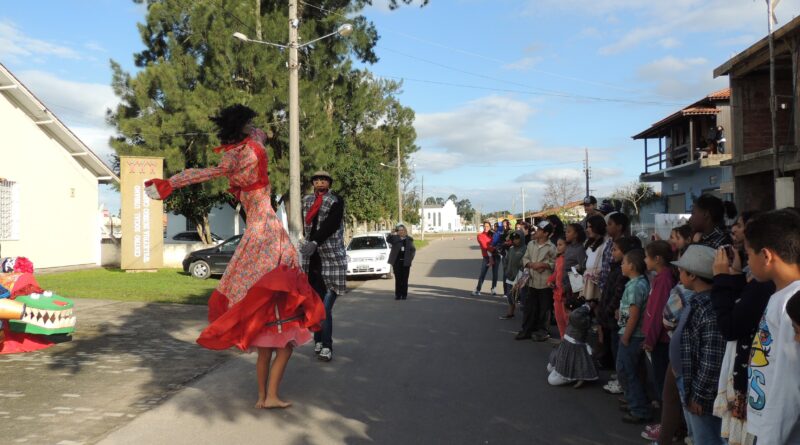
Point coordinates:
[[9, 210], [367, 242], [230, 245], [676, 203]]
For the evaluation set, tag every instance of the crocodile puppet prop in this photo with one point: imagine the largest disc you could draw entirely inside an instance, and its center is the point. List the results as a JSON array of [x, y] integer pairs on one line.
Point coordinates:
[[45, 314]]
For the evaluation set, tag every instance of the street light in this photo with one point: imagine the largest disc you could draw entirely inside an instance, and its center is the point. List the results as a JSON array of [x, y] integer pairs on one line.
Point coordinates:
[[344, 30]]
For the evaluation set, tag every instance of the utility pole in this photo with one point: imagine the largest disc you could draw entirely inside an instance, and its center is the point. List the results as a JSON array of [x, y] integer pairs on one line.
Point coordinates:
[[523, 203], [422, 213], [586, 169], [773, 103], [399, 184], [295, 212]]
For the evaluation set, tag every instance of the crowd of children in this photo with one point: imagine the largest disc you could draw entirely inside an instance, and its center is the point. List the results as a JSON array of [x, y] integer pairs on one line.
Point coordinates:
[[702, 331]]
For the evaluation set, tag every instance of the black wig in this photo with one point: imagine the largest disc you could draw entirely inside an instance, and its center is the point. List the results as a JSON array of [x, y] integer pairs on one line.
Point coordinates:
[[231, 122]]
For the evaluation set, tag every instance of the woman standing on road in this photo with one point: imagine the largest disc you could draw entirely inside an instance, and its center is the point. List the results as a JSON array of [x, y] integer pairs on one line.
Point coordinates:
[[400, 258], [263, 301]]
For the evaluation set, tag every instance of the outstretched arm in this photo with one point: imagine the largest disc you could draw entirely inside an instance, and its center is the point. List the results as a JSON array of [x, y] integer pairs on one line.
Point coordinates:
[[161, 189]]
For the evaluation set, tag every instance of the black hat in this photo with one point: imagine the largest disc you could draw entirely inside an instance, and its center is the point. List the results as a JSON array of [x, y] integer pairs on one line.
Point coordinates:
[[589, 200]]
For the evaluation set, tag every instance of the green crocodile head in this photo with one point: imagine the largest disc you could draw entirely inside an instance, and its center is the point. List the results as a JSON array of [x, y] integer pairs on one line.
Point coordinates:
[[46, 314]]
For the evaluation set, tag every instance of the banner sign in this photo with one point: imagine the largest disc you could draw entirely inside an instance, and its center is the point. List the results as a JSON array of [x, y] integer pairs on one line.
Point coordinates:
[[142, 217]]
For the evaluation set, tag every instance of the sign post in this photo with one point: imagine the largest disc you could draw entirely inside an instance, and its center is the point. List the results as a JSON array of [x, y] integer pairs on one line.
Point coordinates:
[[142, 217]]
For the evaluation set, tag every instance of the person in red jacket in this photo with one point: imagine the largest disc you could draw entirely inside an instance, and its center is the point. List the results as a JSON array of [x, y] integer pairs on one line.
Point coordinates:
[[490, 258], [555, 282], [656, 340]]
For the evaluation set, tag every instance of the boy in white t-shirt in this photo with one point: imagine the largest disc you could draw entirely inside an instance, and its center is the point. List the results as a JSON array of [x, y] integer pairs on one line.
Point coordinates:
[[772, 241]]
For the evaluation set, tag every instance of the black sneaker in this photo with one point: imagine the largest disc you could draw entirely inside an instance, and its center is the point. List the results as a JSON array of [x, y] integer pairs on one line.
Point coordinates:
[[506, 317], [630, 418], [540, 337], [522, 336]]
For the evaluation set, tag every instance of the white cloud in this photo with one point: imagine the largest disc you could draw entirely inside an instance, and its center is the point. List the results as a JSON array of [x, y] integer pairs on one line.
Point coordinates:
[[81, 106], [660, 20], [74, 102], [485, 130], [523, 64], [14, 45], [669, 42], [542, 176], [681, 79]]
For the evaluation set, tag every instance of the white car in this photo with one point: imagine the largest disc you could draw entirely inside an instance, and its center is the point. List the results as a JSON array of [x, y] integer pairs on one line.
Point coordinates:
[[369, 255]]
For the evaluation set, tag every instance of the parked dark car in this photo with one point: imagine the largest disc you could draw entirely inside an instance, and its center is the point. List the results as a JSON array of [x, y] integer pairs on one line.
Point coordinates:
[[212, 261]]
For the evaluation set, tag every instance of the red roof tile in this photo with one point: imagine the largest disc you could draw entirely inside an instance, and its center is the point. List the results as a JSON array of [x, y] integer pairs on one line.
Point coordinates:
[[699, 110], [722, 94]]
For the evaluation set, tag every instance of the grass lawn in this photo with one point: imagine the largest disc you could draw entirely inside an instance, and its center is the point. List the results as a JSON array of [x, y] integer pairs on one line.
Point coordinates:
[[164, 286]]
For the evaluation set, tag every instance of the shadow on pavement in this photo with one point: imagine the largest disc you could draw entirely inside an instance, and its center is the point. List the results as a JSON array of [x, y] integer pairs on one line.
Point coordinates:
[[433, 369], [457, 268]]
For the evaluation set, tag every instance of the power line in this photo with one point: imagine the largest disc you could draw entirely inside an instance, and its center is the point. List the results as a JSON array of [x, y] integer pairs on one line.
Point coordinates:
[[484, 57], [534, 93]]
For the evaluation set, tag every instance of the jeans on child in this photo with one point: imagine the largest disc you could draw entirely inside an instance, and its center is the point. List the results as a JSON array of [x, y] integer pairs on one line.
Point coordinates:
[[682, 395], [706, 429], [628, 360]]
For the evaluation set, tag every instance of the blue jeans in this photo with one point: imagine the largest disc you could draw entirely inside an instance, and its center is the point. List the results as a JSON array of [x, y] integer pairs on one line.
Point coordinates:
[[485, 268], [628, 360], [706, 429], [325, 335]]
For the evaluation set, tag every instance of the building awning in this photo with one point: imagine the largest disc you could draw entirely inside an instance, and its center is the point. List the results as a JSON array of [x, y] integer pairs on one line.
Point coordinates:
[[21, 96]]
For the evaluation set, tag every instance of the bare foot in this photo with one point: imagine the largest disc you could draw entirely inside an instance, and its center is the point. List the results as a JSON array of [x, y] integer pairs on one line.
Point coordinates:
[[272, 403], [260, 404]]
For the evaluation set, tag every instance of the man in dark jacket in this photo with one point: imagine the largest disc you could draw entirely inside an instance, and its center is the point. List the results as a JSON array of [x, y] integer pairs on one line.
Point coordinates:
[[400, 258], [324, 257]]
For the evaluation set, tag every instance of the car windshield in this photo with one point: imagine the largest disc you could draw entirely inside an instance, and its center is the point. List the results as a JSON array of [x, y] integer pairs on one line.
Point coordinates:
[[230, 245], [367, 242]]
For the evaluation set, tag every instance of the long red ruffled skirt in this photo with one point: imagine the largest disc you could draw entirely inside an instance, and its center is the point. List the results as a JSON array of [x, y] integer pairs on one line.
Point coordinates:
[[284, 287]]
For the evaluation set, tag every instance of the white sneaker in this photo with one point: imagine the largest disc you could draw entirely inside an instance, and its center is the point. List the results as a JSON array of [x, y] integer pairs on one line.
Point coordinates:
[[317, 347], [476, 293], [612, 387], [325, 355], [494, 294]]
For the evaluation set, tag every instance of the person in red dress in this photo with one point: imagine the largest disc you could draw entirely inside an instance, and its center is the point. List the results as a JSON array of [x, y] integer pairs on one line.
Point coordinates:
[[263, 301]]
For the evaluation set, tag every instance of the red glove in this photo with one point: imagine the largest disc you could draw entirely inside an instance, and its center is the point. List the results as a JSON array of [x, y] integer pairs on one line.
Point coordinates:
[[157, 188]]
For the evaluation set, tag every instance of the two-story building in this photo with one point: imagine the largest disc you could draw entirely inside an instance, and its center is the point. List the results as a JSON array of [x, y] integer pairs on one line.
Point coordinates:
[[684, 150], [754, 158]]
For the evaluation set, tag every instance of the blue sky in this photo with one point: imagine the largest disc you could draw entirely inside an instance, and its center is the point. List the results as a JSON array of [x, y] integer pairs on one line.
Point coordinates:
[[508, 93]]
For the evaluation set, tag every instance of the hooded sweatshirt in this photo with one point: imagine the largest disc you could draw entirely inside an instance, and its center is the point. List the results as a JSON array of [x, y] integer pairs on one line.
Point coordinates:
[[513, 260]]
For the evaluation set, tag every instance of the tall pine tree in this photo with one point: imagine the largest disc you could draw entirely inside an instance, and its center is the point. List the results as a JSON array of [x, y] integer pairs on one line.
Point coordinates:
[[191, 67]]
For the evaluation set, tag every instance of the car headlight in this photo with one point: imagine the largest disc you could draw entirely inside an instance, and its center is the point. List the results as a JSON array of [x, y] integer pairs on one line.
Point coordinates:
[[348, 258], [382, 257]]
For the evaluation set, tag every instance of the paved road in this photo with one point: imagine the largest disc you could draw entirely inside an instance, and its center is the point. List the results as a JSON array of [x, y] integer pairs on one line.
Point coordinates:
[[439, 368]]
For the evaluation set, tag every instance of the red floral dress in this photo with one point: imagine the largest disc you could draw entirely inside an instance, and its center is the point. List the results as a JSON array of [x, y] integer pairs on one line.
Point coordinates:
[[264, 298]]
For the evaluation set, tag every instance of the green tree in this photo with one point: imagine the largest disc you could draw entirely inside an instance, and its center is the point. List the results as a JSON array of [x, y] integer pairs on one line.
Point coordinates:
[[465, 209], [190, 67]]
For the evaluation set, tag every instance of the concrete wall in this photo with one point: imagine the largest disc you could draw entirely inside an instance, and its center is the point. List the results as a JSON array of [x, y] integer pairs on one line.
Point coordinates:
[[58, 197], [173, 253], [753, 92]]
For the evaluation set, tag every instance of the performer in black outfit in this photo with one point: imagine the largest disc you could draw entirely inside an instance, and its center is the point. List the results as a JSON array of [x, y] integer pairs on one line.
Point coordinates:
[[400, 258]]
